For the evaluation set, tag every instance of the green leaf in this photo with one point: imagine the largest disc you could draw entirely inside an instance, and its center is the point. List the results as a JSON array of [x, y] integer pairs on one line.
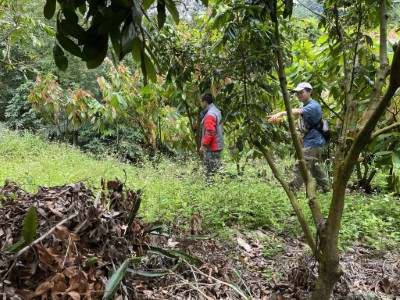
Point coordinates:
[[190, 259], [79, 3], [72, 29], [69, 45], [59, 58], [49, 9], [147, 3], [172, 10], [395, 160], [161, 13], [288, 8], [200, 237], [172, 254], [115, 36], [115, 280], [137, 14], [90, 262], [94, 63], [15, 247], [155, 273], [82, 8], [135, 206], [156, 226], [95, 47], [150, 70], [137, 50], [30, 226], [127, 36], [113, 22], [205, 2], [70, 15]]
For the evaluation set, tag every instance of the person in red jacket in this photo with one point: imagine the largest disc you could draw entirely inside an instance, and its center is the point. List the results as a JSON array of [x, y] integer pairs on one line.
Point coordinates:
[[212, 138]]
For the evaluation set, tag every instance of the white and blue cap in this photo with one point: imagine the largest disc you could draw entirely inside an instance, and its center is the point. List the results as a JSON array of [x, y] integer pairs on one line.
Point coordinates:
[[302, 86]]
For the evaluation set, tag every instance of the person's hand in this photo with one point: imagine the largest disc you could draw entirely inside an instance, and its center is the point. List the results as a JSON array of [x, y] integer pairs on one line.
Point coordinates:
[[275, 118], [201, 149]]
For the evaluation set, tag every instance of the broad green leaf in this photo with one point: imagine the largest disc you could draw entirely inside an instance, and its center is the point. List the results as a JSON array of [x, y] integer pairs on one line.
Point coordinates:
[[59, 58], [49, 9], [137, 50], [69, 45], [91, 64], [113, 22], [172, 10], [70, 15], [200, 237], [137, 14], [30, 226], [147, 3], [125, 3], [73, 29], [115, 280], [156, 273], [395, 160], [381, 153], [157, 250], [135, 207], [95, 48], [15, 247], [79, 3], [161, 13], [121, 100], [205, 2], [90, 262], [128, 34], [82, 8], [115, 36], [157, 227], [189, 258], [172, 254], [288, 8], [150, 70]]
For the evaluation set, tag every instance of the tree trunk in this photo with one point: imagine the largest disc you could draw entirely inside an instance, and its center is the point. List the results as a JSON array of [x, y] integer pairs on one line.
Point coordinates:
[[329, 270], [328, 275]]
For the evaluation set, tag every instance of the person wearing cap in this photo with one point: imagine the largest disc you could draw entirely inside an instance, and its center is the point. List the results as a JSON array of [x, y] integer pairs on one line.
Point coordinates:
[[212, 138], [313, 141]]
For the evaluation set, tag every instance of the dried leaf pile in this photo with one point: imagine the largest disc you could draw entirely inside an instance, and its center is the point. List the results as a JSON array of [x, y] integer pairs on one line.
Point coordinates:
[[83, 238], [80, 243]]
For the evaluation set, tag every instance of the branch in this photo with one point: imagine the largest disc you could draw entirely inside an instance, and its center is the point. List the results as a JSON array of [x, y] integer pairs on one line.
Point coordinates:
[[360, 18], [46, 234], [295, 204], [331, 110], [378, 132]]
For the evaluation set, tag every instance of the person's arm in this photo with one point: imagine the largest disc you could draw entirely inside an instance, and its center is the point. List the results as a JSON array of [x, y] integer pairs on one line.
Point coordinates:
[[210, 126], [295, 112]]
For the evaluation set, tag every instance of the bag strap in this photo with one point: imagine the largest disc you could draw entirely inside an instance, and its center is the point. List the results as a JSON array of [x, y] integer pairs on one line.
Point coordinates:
[[317, 126]]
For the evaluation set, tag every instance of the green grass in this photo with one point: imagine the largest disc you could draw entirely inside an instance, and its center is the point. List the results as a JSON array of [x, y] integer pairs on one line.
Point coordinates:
[[175, 191]]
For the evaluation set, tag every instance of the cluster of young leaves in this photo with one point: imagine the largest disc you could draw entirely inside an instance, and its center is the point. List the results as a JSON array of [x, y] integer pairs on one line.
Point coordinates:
[[145, 107], [57, 105]]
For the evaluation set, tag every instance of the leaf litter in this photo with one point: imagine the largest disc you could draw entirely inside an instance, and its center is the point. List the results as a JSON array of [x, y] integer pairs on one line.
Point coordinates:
[[82, 239]]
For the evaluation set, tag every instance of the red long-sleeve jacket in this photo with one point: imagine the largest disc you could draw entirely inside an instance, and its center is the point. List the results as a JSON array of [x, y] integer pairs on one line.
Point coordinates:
[[210, 137]]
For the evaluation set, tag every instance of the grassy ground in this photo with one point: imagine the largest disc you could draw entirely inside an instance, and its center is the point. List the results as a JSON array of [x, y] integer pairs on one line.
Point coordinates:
[[175, 192]]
